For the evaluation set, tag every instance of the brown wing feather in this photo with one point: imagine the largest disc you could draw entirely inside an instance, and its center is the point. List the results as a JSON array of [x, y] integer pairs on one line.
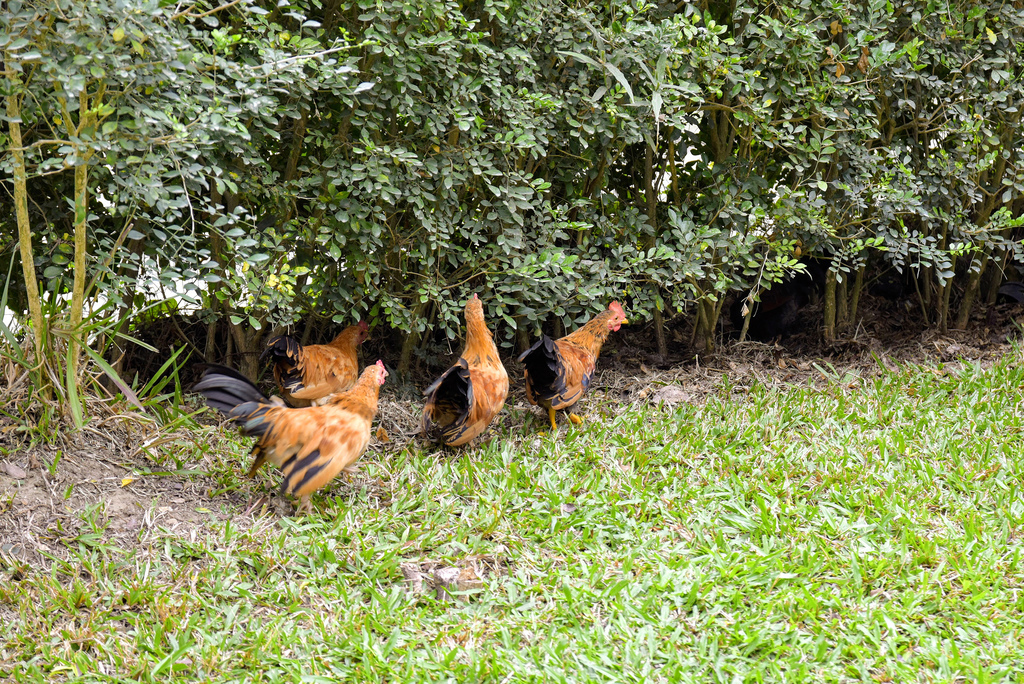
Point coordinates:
[[561, 381], [490, 389], [315, 371], [577, 370], [312, 445], [325, 370], [487, 391]]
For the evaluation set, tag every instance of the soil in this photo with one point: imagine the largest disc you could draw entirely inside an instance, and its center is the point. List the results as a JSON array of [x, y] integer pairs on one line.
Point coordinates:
[[109, 481]]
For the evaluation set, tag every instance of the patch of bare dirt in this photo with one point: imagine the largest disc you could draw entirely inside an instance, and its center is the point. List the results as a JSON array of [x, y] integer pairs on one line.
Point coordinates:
[[97, 486]]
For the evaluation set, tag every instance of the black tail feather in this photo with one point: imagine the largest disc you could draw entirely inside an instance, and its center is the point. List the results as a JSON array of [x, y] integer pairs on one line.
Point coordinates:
[[282, 348], [284, 354], [542, 365], [449, 399], [225, 389], [250, 417]]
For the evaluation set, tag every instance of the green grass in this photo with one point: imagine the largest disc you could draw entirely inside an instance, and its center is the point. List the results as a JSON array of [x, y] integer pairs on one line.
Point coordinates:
[[860, 530]]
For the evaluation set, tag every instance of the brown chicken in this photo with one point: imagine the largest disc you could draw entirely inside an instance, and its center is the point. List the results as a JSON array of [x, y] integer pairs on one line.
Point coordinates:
[[558, 372], [310, 445], [462, 402], [308, 374]]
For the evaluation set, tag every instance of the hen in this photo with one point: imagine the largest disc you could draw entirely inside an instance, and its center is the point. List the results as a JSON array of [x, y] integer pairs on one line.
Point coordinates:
[[558, 372], [310, 445], [309, 374], [463, 401]]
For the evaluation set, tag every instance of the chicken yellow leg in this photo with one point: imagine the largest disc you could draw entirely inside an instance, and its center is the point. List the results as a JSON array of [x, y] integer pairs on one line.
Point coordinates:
[[551, 415], [575, 419]]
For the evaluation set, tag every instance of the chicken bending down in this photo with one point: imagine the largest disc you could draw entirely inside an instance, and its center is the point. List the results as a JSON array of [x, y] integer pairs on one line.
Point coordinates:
[[558, 372], [310, 445], [307, 375], [463, 401]]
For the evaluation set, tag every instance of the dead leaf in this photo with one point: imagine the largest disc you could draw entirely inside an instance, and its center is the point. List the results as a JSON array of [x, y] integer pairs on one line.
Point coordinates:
[[14, 471], [125, 481], [255, 505], [382, 435], [835, 27], [862, 63], [840, 70]]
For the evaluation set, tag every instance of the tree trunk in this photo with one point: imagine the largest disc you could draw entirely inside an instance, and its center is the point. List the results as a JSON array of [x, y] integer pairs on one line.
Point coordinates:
[[652, 218], [944, 292], [995, 280], [291, 168], [210, 352], [115, 354], [78, 286], [973, 281], [858, 287], [830, 306], [35, 307], [841, 300], [247, 347], [927, 280], [746, 319], [522, 334], [557, 328], [409, 343], [704, 326]]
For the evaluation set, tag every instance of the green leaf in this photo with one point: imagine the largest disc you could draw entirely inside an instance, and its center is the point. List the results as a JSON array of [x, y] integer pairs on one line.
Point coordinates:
[[621, 78], [71, 385], [112, 374]]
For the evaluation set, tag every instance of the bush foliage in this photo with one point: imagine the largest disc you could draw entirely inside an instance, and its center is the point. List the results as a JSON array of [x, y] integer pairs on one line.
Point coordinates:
[[271, 162]]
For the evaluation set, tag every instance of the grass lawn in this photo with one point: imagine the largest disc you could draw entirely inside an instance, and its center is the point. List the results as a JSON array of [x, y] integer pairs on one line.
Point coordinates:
[[855, 530]]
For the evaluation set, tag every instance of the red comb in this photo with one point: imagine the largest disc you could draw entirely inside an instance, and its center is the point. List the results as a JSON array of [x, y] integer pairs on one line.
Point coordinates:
[[364, 325], [474, 296], [617, 308]]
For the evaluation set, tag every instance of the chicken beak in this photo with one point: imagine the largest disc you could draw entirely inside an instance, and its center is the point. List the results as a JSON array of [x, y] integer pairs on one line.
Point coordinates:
[[625, 322]]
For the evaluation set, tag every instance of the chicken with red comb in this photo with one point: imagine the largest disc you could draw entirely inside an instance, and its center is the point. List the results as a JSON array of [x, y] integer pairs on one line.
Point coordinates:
[[558, 372]]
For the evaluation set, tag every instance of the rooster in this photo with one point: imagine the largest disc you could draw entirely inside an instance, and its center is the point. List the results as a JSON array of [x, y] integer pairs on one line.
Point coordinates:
[[310, 445], [463, 401], [558, 372], [309, 374]]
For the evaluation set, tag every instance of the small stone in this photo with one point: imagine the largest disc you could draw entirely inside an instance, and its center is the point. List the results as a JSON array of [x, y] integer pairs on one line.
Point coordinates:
[[13, 551], [14, 471], [468, 579], [446, 580], [672, 394], [411, 573]]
